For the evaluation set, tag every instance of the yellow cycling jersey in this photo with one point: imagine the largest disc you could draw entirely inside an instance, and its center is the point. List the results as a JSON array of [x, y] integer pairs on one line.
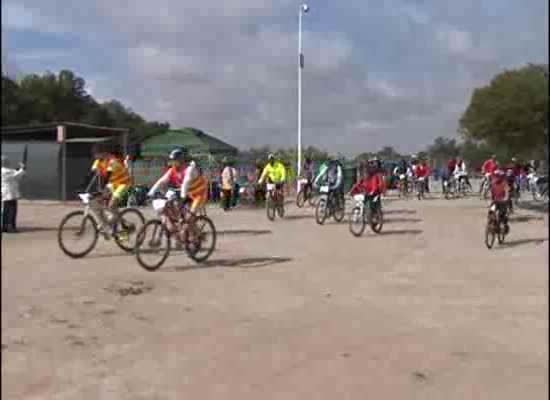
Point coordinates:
[[276, 172], [119, 173]]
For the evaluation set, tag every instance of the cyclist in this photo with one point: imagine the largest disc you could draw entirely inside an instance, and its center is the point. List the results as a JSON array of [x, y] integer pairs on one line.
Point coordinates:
[[114, 177], [461, 173], [489, 166], [275, 172], [422, 171], [186, 176], [331, 174], [513, 172], [500, 193], [309, 175], [371, 184]]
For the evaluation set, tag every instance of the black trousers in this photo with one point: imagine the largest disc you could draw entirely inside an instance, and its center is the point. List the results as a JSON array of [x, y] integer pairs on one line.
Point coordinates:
[[9, 214], [227, 199]]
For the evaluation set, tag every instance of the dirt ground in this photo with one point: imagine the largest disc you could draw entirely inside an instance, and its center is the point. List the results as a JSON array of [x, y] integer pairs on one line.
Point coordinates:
[[284, 310]]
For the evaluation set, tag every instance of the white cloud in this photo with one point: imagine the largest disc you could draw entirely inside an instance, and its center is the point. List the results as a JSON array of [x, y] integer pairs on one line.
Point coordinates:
[[230, 67]]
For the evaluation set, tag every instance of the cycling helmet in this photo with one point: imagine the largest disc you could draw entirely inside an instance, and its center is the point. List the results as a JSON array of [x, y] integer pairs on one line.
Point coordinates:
[[499, 173], [177, 154], [271, 157]]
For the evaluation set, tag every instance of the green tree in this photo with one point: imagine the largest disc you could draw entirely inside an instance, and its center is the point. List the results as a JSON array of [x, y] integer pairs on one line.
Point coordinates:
[[442, 150], [511, 112]]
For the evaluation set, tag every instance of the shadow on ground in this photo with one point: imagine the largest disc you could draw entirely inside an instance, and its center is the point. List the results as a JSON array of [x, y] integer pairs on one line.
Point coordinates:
[[249, 262], [392, 220], [401, 232], [31, 229], [525, 218], [400, 211], [521, 242], [533, 206], [297, 217], [244, 232]]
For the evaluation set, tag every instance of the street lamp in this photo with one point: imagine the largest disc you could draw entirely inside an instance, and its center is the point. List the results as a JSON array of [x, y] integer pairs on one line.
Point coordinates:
[[304, 8]]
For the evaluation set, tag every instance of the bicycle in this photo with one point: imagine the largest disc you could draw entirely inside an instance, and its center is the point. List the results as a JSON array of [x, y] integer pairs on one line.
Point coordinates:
[[330, 204], [367, 210], [274, 202], [449, 188], [175, 221], [495, 226], [485, 187], [539, 188], [95, 208], [403, 186], [420, 187], [305, 194]]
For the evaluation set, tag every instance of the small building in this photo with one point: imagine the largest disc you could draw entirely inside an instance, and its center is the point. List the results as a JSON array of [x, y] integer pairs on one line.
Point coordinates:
[[59, 155]]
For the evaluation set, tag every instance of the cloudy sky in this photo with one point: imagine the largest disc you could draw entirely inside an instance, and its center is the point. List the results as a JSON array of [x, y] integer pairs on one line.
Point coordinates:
[[377, 72]]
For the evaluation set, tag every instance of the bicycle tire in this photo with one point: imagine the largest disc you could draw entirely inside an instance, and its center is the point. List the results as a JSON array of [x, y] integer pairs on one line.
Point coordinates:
[[377, 226], [362, 224], [86, 218], [140, 240], [300, 199], [321, 211], [270, 209], [192, 252], [116, 236]]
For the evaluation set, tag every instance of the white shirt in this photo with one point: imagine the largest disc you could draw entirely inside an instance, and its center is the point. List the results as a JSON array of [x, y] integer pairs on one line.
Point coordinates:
[[460, 169], [229, 176], [10, 183]]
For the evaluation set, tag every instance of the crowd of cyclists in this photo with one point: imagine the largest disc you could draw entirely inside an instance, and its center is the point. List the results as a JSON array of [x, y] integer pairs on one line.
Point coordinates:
[[501, 183]]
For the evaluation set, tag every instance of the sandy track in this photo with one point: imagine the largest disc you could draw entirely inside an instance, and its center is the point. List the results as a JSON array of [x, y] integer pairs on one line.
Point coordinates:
[[285, 310]]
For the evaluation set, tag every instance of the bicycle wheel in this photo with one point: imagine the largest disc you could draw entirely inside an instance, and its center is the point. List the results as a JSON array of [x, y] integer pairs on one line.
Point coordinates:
[[270, 208], [357, 222], [126, 228], [376, 220], [312, 198], [201, 244], [149, 242], [490, 234], [281, 210], [81, 228], [501, 233], [339, 211], [300, 199], [321, 211]]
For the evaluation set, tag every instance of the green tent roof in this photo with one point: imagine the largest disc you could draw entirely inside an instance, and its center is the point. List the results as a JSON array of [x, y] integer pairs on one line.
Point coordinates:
[[196, 141]]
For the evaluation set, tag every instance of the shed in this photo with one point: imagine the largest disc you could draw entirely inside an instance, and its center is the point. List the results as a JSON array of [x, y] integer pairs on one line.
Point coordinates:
[[59, 155]]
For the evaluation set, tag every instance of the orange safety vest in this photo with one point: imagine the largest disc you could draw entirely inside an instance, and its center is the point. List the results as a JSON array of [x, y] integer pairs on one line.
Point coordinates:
[[119, 172], [100, 166]]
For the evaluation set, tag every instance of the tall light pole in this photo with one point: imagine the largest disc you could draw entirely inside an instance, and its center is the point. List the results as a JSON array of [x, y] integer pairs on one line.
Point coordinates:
[[304, 8]]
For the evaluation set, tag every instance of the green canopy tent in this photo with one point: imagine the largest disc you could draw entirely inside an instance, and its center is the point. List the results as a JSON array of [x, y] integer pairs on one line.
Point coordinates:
[[195, 141]]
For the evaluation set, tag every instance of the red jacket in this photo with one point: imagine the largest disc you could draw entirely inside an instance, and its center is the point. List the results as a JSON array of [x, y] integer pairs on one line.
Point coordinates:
[[489, 167], [422, 171], [499, 187], [372, 185]]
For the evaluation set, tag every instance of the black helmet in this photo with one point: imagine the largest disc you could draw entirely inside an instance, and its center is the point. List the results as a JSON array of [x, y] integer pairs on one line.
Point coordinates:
[[178, 154]]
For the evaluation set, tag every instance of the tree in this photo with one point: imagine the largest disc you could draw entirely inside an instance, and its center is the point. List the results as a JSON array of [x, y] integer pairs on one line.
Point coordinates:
[[511, 112], [63, 97], [443, 149]]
